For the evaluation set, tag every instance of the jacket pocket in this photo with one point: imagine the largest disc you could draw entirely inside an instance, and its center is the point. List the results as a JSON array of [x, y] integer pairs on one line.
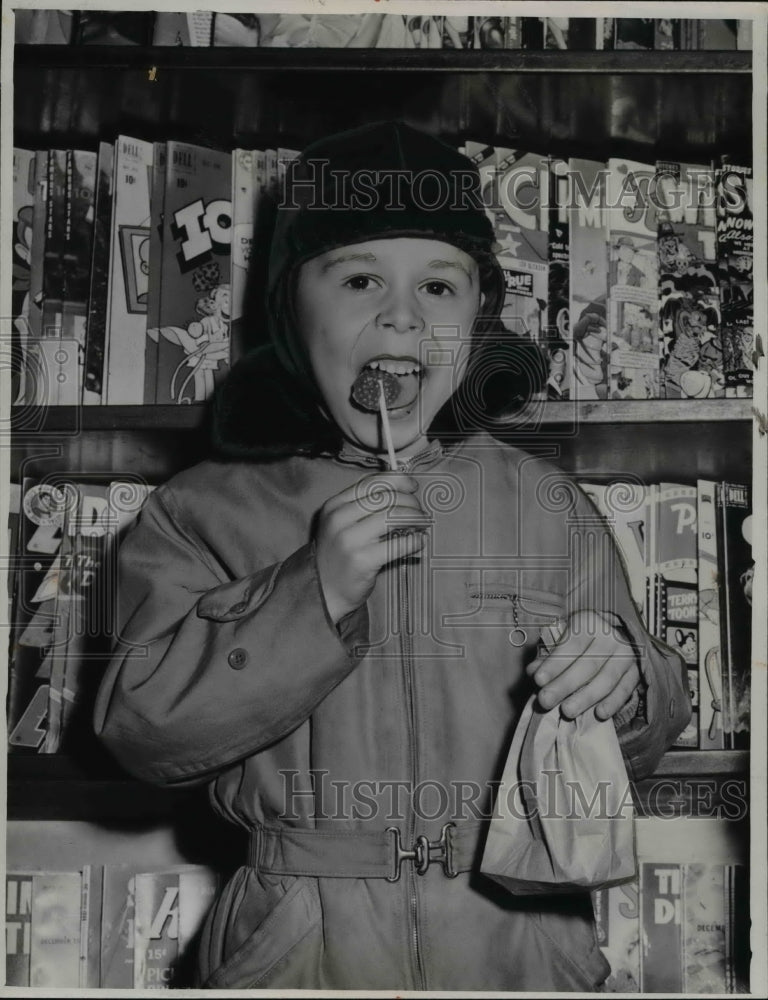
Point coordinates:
[[578, 962], [288, 939]]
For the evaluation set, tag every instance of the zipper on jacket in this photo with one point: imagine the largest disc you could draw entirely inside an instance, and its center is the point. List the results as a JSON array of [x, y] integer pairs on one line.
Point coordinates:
[[406, 649]]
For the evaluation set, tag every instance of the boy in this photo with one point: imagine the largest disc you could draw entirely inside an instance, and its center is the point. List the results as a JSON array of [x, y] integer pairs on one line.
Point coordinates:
[[341, 651]]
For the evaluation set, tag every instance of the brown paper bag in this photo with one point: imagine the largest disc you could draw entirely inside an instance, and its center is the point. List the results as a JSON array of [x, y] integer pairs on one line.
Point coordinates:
[[563, 820]]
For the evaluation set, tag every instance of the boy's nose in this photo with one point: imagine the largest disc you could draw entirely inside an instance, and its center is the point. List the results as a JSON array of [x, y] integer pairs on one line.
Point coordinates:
[[401, 313]]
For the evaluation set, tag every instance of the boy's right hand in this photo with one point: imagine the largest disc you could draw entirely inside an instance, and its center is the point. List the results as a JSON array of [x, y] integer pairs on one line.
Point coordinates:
[[375, 521]]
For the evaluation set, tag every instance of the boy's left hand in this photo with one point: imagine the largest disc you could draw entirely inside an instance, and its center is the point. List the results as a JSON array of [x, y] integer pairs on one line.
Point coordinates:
[[591, 666]]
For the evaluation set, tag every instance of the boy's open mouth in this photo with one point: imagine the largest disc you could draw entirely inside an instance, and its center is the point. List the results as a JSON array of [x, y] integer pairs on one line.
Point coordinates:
[[401, 378]]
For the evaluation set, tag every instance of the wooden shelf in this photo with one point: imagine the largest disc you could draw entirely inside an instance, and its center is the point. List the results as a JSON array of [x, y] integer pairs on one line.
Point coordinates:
[[392, 60], [57, 787], [31, 421]]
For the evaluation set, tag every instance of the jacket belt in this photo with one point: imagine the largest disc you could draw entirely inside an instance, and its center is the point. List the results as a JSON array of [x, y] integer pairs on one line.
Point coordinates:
[[361, 853]]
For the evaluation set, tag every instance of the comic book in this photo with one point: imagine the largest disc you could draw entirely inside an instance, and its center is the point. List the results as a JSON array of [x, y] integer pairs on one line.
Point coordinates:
[[458, 31], [661, 966], [689, 294], [98, 299], [14, 513], [43, 27], [35, 384], [734, 256], [23, 211], [193, 332], [532, 32], [154, 294], [688, 916], [55, 946], [193, 28], [128, 282], [248, 186], [676, 567], [624, 506], [56, 356], [575, 33], [709, 33], [522, 230], [90, 925], [633, 33], [666, 33], [617, 924], [197, 893], [588, 286], [81, 632], [43, 510], [557, 342], [497, 33], [633, 292], [18, 927], [117, 925], [100, 27], [156, 929], [81, 193], [737, 569], [710, 648]]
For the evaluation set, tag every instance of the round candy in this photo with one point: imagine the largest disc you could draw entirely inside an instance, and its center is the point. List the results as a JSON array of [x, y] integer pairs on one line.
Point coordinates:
[[365, 389]]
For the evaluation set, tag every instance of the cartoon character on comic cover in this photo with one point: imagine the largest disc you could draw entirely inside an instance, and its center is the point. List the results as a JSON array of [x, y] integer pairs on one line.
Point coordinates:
[[204, 341], [689, 315]]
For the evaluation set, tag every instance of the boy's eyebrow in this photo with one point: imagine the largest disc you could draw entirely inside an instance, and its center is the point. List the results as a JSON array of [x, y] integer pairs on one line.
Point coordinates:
[[452, 263], [366, 258]]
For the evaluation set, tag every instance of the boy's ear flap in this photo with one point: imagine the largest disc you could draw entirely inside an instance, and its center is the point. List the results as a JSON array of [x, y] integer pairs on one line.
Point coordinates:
[[261, 412]]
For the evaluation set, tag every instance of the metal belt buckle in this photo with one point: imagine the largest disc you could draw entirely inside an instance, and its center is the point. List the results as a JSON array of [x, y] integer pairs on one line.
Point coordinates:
[[423, 853]]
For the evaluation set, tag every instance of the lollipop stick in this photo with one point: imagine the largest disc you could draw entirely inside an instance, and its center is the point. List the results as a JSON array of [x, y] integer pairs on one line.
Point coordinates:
[[385, 427]]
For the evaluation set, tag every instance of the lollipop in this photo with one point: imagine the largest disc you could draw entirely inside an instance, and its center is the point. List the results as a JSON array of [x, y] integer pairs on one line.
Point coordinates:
[[366, 392]]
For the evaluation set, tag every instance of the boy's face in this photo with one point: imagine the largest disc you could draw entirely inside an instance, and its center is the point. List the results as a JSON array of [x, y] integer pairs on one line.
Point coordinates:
[[406, 305]]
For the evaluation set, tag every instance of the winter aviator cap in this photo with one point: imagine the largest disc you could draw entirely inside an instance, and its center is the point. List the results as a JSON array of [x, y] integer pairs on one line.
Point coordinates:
[[381, 180]]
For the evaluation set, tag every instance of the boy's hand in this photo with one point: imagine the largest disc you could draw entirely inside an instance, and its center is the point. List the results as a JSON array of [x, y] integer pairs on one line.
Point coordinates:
[[591, 666], [354, 537]]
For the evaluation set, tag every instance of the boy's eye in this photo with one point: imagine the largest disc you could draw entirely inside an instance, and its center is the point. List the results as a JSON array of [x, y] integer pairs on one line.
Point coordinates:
[[360, 282], [438, 288]]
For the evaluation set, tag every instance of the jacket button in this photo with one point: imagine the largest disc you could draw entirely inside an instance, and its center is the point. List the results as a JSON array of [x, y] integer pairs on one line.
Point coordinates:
[[671, 708], [239, 608], [237, 658]]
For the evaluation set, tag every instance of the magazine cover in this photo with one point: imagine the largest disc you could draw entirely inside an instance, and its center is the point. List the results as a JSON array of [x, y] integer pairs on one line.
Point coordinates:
[[35, 382], [557, 342], [737, 572], [23, 210], [44, 508], [129, 280], [689, 294], [710, 646], [193, 332], [98, 299], [57, 357], [55, 938], [43, 27], [18, 927], [248, 188], [117, 925], [676, 565], [617, 919], [632, 281], [588, 289], [634, 33], [80, 626], [154, 294], [193, 28], [81, 193], [458, 31], [497, 33], [522, 230], [156, 929], [734, 254], [107, 28], [661, 917]]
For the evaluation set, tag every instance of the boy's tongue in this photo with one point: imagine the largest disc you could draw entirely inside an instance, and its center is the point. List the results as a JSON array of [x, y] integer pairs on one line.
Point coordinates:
[[399, 390]]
